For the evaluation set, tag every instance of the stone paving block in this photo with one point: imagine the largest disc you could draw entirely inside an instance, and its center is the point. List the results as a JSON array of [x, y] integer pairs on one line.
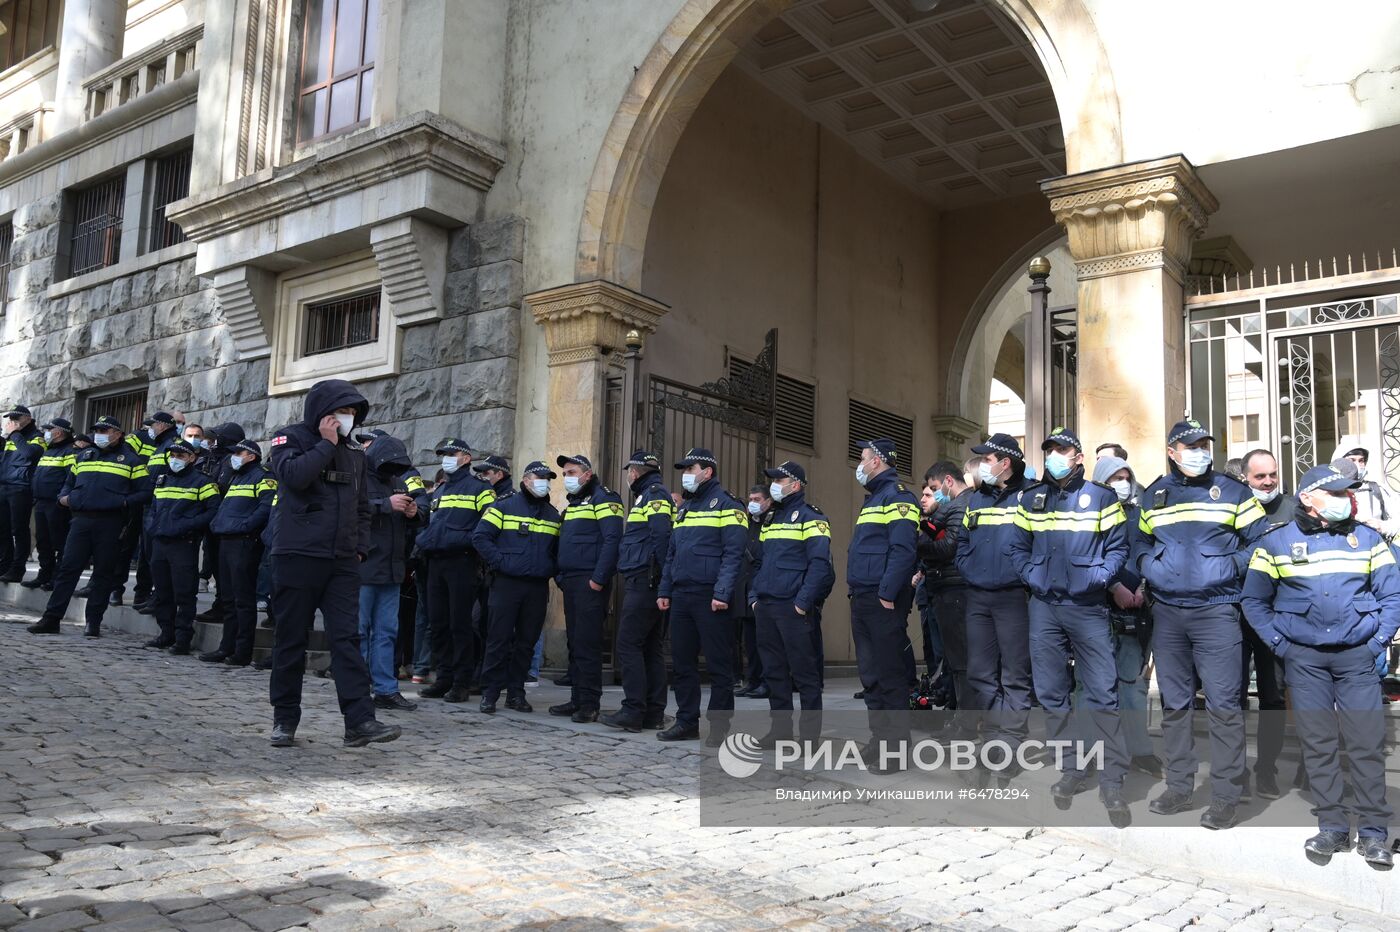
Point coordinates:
[[58, 922]]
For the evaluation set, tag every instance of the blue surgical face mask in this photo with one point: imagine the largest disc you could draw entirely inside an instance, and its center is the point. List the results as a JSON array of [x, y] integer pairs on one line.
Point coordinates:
[[690, 482], [235, 462], [450, 464], [1195, 462], [1058, 465], [177, 465], [1335, 508], [986, 474], [101, 440], [755, 508], [540, 487], [775, 492], [572, 484], [940, 497]]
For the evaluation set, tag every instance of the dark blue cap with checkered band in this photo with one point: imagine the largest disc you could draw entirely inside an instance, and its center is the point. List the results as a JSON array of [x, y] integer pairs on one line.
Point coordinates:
[[1064, 437]]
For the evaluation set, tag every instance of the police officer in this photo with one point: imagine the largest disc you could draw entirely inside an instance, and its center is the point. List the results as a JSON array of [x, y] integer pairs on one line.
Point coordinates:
[[50, 518], [108, 481], [24, 445], [1072, 542], [518, 540], [238, 525], [1197, 526], [698, 586], [152, 442], [588, 546], [495, 472], [320, 530], [998, 619], [791, 576], [393, 510], [945, 586], [1324, 594], [453, 572], [879, 573], [217, 442], [185, 500], [641, 630]]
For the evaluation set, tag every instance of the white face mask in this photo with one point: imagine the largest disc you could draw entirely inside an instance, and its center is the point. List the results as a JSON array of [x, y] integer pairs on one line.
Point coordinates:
[[1333, 508], [450, 464], [755, 508], [235, 462], [1123, 488], [540, 487], [48, 436], [1195, 462], [347, 423], [986, 474], [775, 492], [690, 482], [177, 465], [1265, 497], [1360, 471], [151, 432], [572, 484], [861, 476], [101, 440]]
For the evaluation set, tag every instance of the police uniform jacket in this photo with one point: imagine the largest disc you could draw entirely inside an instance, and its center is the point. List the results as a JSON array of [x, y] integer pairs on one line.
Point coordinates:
[[1072, 542], [938, 551], [647, 535], [23, 449], [1279, 511], [247, 504], [989, 524], [223, 438], [387, 560], [110, 480], [184, 504], [156, 452], [707, 545], [322, 505], [52, 470], [1197, 536], [518, 535], [794, 555], [883, 549], [1323, 586], [592, 531], [457, 506]]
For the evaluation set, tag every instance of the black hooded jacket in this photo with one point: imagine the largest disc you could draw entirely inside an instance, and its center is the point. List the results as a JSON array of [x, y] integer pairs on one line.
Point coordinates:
[[222, 440], [322, 502], [387, 562]]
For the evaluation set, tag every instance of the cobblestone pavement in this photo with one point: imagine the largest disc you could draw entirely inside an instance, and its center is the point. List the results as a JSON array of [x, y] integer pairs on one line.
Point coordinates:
[[139, 792]]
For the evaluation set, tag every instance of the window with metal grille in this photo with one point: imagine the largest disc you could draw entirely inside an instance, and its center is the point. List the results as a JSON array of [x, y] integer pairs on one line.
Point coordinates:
[[97, 226], [342, 323], [7, 239], [339, 43], [26, 27], [128, 407], [172, 182], [795, 406], [868, 422]]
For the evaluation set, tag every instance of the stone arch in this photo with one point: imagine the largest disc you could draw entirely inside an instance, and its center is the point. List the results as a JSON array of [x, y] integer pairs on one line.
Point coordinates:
[[706, 35]]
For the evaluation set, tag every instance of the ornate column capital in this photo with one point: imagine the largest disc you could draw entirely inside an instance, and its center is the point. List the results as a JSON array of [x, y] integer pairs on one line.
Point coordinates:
[[1144, 215], [588, 321], [953, 433]]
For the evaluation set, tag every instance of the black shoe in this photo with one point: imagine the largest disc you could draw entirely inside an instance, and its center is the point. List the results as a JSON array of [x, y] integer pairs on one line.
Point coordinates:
[[762, 692], [370, 730], [654, 723], [210, 615], [435, 690], [283, 736], [1266, 785], [623, 721], [1375, 851], [213, 656], [160, 642], [114, 599], [1068, 787], [1220, 816], [12, 576], [34, 583], [1320, 848], [745, 692], [46, 587], [1170, 802], [1117, 806], [488, 706], [518, 704], [859, 695], [395, 702], [92, 631], [1148, 763], [679, 732], [180, 650], [145, 608], [564, 708], [264, 664], [583, 716], [44, 626], [564, 681], [237, 661], [457, 694]]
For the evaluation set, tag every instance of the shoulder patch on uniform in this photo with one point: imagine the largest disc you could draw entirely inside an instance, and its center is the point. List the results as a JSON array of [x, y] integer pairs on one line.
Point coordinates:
[[1214, 493], [714, 502], [824, 527], [657, 505], [279, 440]]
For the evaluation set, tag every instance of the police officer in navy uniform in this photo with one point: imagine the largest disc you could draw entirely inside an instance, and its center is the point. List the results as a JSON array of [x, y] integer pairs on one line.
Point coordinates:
[[699, 586], [518, 540], [24, 445], [495, 472], [588, 548], [107, 483], [152, 441], [879, 572], [184, 502], [792, 575], [1197, 526], [1323, 592], [51, 519], [1072, 543], [641, 630], [320, 536], [239, 523]]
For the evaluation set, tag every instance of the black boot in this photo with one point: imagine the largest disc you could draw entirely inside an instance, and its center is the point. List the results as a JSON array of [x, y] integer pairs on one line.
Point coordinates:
[[679, 732], [160, 642], [34, 583], [435, 691], [564, 708], [92, 630], [370, 730], [622, 720], [44, 626], [213, 656], [518, 704]]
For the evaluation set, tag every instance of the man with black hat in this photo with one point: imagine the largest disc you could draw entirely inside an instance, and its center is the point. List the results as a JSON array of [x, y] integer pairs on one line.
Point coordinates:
[[588, 543], [1198, 525], [1072, 543], [453, 571], [641, 630], [108, 481], [152, 442], [184, 502], [50, 518], [24, 445], [238, 525], [495, 471], [1323, 592], [518, 540], [320, 534], [699, 587]]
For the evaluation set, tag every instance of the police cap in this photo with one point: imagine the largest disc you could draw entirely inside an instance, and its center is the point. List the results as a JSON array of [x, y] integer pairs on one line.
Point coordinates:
[[787, 470]]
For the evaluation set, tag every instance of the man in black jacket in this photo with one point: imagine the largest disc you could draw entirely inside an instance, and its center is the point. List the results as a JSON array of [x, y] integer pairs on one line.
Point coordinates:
[[51, 519], [24, 444], [938, 548], [320, 534]]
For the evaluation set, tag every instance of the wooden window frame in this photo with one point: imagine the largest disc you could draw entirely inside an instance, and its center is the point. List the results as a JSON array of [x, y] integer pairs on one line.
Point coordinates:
[[358, 73]]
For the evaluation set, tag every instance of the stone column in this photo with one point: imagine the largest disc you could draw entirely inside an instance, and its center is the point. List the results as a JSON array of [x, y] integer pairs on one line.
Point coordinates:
[[89, 40], [1131, 228]]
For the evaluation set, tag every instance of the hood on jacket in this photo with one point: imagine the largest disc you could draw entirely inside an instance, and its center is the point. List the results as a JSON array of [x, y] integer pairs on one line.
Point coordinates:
[[1109, 465], [227, 434], [388, 451], [324, 397]]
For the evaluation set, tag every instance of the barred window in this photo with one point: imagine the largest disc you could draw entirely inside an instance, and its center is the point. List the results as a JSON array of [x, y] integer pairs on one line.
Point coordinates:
[[26, 27], [7, 239], [337, 66], [341, 323], [128, 407], [794, 406], [97, 226], [172, 182]]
